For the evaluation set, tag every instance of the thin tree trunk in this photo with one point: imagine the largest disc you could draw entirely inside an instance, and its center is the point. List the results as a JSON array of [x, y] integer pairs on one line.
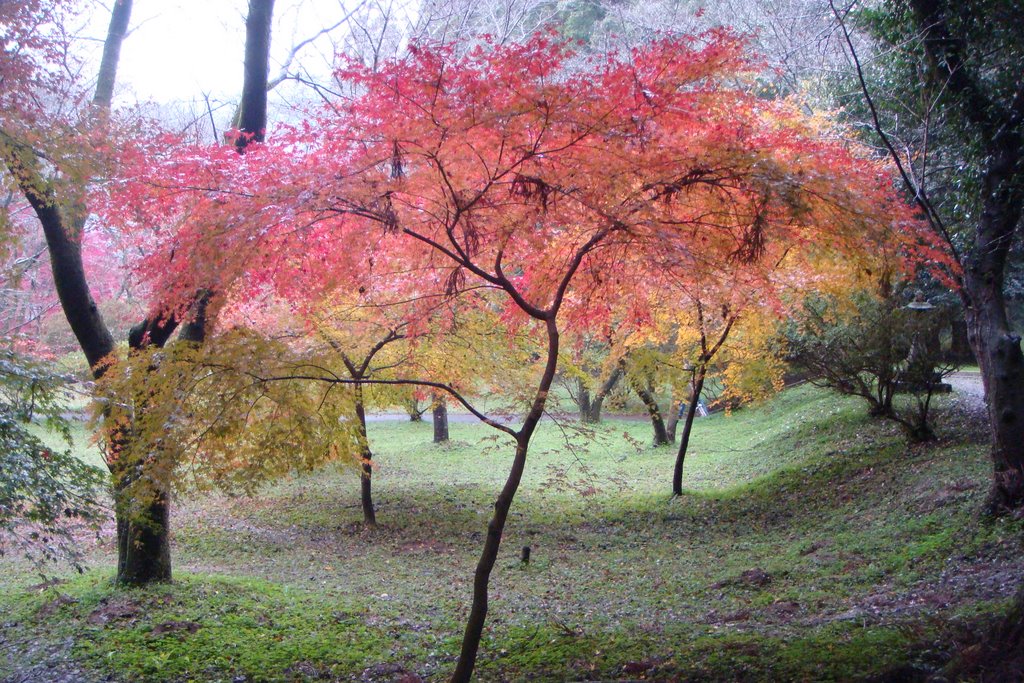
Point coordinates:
[[413, 408], [359, 374], [65, 247], [478, 611], [684, 440], [366, 457], [440, 415]]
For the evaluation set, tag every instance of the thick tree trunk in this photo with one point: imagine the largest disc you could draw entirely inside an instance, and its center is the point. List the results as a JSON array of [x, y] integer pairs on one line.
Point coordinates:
[[478, 611], [999, 123], [583, 400], [673, 419], [194, 330], [440, 415], [657, 423], [594, 415], [143, 514], [116, 32], [143, 544], [1002, 370], [996, 346], [684, 440], [959, 344], [252, 111], [366, 457], [142, 534]]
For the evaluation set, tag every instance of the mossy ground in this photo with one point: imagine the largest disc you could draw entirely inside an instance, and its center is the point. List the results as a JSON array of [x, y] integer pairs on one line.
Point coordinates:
[[812, 544]]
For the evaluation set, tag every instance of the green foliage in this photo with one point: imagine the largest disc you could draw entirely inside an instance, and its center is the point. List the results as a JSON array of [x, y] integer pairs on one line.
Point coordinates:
[[947, 150], [577, 19], [872, 347], [46, 494], [233, 414]]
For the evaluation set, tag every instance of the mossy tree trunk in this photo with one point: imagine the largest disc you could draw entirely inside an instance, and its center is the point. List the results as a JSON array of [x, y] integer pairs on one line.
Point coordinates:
[[673, 418], [583, 399], [646, 395], [366, 460], [440, 417]]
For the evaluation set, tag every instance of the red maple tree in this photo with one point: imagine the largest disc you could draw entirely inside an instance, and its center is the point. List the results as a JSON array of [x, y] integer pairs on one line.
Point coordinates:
[[559, 183]]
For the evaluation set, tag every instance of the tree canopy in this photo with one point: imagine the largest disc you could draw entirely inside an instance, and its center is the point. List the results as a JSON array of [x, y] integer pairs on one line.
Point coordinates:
[[565, 187]]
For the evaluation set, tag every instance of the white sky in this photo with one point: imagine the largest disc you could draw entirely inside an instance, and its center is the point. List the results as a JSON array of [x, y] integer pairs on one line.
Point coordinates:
[[179, 50]]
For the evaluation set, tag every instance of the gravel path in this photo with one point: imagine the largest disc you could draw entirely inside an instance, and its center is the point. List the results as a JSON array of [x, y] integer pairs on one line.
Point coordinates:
[[969, 391], [968, 385]]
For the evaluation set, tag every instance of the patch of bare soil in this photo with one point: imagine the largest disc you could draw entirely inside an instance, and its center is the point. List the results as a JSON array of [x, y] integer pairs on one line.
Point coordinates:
[[115, 610], [55, 604]]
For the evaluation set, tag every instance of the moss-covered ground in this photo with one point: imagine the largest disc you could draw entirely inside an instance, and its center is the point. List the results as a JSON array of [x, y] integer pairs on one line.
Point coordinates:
[[812, 544]]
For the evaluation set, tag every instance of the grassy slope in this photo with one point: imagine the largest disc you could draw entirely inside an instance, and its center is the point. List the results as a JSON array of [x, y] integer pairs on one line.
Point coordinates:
[[812, 545]]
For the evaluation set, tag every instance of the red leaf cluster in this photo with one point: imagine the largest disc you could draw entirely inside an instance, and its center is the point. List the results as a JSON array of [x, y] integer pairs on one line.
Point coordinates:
[[570, 185]]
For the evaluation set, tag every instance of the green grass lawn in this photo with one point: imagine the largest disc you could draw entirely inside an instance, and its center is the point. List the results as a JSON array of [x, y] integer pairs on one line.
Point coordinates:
[[812, 544]]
